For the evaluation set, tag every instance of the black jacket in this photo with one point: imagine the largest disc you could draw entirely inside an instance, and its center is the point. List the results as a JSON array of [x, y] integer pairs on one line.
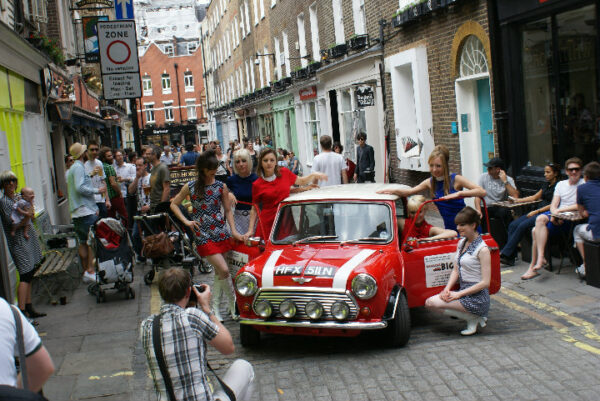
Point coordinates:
[[365, 159]]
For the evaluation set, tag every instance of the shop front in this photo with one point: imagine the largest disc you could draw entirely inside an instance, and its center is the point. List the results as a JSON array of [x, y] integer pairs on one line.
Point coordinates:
[[354, 103], [311, 122], [264, 122], [170, 135], [550, 55], [284, 121]]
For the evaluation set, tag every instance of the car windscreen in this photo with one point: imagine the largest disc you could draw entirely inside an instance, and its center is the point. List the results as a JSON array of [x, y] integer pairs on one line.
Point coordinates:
[[334, 222]]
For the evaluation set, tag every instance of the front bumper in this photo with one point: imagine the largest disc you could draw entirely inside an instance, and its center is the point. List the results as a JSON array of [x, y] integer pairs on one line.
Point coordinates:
[[316, 325]]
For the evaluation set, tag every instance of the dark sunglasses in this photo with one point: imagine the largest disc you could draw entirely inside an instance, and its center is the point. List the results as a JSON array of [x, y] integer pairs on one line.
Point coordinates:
[[93, 149], [574, 169]]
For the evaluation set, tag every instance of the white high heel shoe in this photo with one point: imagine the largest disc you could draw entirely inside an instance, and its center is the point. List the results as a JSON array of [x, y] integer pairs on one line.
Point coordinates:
[[471, 319], [216, 292]]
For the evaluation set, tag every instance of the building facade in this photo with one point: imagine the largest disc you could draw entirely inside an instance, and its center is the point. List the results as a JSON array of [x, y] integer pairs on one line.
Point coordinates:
[[173, 103]]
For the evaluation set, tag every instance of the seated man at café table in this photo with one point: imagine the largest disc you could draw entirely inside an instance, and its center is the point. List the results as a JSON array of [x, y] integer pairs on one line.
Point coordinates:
[[498, 187], [588, 206], [421, 228]]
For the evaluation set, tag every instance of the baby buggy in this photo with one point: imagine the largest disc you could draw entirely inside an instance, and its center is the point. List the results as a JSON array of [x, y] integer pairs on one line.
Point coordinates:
[[183, 252], [114, 259]]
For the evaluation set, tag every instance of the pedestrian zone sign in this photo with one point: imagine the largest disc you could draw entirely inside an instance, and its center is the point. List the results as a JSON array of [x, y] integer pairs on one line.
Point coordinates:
[[119, 65], [118, 48]]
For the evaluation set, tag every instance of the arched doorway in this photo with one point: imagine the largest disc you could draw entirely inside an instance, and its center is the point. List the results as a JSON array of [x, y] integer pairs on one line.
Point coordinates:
[[474, 108]]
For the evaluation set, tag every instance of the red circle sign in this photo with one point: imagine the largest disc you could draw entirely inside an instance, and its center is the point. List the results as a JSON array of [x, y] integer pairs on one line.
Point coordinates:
[[120, 54]]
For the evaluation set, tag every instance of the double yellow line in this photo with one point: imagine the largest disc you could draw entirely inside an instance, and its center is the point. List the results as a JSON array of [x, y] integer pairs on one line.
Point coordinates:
[[587, 329]]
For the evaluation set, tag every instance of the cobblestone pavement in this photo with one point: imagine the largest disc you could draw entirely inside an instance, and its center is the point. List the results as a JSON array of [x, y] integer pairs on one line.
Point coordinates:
[[541, 343]]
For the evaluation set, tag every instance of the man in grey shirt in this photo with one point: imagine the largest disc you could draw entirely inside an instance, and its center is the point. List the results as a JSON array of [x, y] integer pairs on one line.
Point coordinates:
[[499, 187]]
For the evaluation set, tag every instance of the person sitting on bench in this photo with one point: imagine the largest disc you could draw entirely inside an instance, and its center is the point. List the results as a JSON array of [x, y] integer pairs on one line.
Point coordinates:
[[587, 204]]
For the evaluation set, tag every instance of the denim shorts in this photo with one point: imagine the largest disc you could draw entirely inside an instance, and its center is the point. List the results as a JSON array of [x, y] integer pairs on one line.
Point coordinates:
[[82, 226]]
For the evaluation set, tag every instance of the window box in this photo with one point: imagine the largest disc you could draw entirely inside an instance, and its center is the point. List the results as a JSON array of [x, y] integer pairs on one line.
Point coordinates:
[[313, 67], [357, 42], [337, 51], [301, 73], [266, 91]]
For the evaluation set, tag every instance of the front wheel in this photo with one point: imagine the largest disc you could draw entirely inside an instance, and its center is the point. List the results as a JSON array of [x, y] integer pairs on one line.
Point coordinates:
[[249, 336], [398, 330]]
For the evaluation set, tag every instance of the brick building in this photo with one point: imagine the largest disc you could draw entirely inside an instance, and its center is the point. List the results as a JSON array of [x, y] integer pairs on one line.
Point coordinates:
[[410, 75], [173, 102]]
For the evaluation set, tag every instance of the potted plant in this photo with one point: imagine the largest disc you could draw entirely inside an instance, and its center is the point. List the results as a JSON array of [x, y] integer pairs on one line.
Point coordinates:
[[266, 90], [338, 50], [313, 66], [49, 46], [357, 42], [324, 55], [301, 73]]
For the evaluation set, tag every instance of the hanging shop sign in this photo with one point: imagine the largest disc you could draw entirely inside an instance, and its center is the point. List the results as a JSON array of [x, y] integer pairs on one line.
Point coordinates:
[[93, 4], [90, 37], [308, 93], [365, 96]]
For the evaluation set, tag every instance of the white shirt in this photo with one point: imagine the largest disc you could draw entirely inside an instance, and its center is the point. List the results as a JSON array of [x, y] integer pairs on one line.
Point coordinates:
[[167, 159], [567, 192], [331, 164], [97, 180], [127, 172], [8, 343]]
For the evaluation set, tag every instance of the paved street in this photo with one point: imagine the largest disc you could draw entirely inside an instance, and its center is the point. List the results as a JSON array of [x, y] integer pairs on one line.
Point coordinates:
[[541, 343]]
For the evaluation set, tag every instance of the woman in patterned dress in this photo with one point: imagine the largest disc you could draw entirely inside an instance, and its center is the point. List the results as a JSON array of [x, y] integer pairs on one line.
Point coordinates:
[[25, 253], [208, 195], [472, 268]]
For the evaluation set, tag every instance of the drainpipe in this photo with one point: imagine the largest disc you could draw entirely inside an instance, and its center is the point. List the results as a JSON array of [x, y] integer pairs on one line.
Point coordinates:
[[382, 24], [178, 97]]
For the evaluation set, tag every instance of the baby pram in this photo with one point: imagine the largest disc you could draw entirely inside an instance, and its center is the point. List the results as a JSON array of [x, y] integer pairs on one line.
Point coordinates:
[[114, 259], [184, 252]]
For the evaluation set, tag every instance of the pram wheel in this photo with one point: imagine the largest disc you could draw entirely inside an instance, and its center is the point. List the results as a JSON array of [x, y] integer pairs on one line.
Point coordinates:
[[205, 267], [93, 289], [149, 277]]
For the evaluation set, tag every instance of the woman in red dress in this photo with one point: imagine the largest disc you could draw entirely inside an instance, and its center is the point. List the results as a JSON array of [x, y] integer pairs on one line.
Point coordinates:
[[273, 186], [208, 195]]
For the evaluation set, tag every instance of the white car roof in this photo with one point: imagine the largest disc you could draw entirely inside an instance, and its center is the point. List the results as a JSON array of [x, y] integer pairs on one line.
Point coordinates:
[[347, 192]]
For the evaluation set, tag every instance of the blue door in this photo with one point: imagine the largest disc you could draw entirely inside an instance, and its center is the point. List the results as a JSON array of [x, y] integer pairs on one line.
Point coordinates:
[[486, 129], [220, 132]]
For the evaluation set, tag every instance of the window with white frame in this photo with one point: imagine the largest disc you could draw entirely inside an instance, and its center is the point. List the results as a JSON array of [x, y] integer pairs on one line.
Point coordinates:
[[278, 74], [255, 6], [166, 83], [273, 2], [247, 16], [236, 31], [252, 80], [242, 24], [358, 11], [168, 108], [286, 53], [267, 62], [338, 21], [247, 77], [190, 108], [188, 80], [311, 122], [228, 42], [261, 4], [149, 112], [147, 85], [169, 50], [261, 74], [353, 120], [192, 46], [314, 31], [302, 40]]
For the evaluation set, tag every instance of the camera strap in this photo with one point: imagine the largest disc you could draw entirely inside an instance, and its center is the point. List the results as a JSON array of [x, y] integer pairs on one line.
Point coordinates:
[[160, 358]]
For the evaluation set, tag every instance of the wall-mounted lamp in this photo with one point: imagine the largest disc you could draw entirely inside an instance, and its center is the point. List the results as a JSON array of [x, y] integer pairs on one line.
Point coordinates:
[[299, 58], [257, 55]]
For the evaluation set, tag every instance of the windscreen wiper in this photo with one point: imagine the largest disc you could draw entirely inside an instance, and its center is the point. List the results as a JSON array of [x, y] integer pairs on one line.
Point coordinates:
[[314, 238], [354, 241]]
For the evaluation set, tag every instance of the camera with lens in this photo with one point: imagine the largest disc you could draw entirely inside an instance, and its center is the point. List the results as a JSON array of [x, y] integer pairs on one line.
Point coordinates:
[[200, 288]]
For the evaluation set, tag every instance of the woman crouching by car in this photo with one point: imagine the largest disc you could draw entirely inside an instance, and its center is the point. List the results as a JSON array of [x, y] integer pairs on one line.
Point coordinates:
[[472, 269]]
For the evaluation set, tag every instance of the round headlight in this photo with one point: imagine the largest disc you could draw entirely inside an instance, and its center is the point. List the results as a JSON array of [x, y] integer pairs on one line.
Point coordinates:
[[340, 311], [287, 309], [364, 286], [314, 310], [246, 284], [263, 309]]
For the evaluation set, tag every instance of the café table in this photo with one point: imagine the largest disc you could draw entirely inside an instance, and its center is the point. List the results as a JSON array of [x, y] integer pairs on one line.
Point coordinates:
[[566, 238]]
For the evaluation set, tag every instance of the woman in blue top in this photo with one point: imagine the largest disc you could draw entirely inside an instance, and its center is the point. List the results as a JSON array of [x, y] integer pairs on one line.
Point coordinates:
[[240, 187], [443, 185]]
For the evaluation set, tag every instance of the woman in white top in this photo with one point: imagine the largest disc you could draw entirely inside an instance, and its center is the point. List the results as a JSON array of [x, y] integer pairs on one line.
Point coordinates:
[[564, 200], [472, 269]]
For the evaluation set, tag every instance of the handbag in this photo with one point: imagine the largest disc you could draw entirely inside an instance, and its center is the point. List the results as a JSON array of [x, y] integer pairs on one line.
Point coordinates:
[[157, 245], [160, 358]]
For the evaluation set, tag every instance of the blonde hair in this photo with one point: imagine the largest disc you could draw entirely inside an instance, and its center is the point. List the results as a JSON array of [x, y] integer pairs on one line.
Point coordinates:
[[242, 154], [414, 202], [444, 154]]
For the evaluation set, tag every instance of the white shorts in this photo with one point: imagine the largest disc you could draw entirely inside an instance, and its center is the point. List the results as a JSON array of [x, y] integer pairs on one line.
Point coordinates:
[[581, 233]]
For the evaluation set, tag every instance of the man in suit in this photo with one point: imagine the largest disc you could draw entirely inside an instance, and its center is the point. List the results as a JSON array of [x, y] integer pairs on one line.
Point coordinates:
[[365, 160]]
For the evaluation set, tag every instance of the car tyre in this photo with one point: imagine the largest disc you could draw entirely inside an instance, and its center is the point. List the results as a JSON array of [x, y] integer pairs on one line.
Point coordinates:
[[398, 330], [249, 336]]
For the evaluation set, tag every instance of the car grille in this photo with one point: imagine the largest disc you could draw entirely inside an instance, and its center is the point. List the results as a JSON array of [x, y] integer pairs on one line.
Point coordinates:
[[301, 298]]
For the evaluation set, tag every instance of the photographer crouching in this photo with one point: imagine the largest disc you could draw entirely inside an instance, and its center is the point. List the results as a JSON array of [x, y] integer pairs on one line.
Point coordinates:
[[178, 361]]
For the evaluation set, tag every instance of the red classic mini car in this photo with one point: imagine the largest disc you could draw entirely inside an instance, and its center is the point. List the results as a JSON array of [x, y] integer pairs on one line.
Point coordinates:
[[334, 266]]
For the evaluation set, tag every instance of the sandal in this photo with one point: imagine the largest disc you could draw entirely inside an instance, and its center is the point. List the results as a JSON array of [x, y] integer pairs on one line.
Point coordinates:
[[529, 277]]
